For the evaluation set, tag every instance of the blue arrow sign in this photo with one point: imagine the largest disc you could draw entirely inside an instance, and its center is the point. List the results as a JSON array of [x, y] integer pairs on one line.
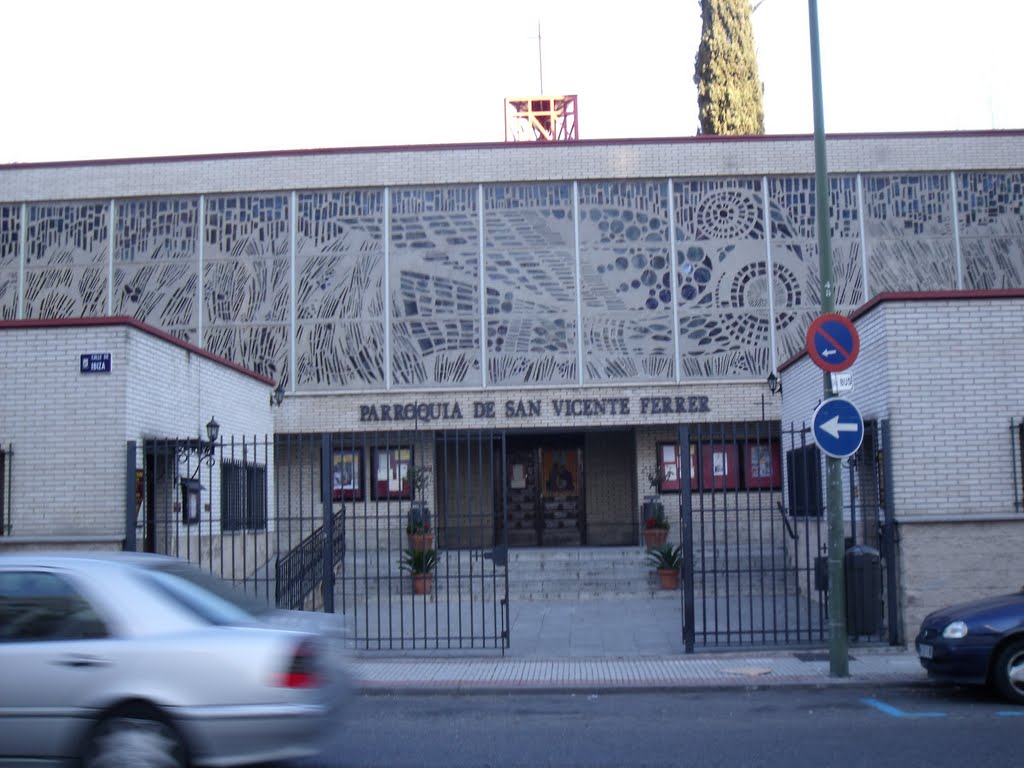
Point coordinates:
[[838, 427]]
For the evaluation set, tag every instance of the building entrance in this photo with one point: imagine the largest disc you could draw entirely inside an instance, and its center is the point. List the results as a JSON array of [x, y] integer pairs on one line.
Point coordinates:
[[546, 492]]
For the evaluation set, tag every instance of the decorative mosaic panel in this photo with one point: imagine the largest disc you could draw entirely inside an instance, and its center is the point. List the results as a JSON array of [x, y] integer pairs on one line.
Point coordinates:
[[990, 207], [246, 274], [797, 269], [435, 279], [156, 263], [721, 268], [993, 262], [10, 230], [66, 260], [530, 278], [909, 230], [899, 207], [339, 266], [625, 282]]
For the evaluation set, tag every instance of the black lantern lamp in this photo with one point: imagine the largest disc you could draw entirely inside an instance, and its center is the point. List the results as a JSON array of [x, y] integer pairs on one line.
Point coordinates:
[[212, 432], [277, 395], [774, 383]]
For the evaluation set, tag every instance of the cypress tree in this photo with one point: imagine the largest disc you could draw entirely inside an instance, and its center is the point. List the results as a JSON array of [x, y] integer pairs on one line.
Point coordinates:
[[728, 85]]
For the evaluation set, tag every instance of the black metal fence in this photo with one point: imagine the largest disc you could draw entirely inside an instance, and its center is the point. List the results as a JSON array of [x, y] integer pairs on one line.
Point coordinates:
[[403, 532], [300, 571], [755, 540], [238, 508], [425, 565]]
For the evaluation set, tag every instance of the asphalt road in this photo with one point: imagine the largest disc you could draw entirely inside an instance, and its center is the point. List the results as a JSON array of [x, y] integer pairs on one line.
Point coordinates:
[[830, 726]]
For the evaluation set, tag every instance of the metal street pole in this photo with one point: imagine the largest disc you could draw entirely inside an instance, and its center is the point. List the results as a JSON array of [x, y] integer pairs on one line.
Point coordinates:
[[839, 663]]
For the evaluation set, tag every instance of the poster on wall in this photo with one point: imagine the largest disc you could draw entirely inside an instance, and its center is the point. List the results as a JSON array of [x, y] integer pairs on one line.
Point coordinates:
[[391, 473], [721, 469], [762, 466], [669, 462], [347, 481], [561, 472]]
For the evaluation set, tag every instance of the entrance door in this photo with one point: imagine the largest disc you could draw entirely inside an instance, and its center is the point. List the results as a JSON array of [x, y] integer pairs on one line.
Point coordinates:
[[545, 494]]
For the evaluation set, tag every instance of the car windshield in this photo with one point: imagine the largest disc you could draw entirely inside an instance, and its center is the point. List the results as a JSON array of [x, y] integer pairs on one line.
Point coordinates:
[[213, 599]]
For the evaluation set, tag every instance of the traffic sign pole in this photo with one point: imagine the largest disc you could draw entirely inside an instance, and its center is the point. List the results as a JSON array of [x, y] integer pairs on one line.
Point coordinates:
[[839, 661]]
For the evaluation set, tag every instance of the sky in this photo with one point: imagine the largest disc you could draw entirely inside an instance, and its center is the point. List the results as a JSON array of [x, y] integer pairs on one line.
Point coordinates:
[[94, 79]]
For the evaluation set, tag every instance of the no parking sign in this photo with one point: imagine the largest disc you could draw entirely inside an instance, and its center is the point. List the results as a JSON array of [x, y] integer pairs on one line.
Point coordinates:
[[833, 342]]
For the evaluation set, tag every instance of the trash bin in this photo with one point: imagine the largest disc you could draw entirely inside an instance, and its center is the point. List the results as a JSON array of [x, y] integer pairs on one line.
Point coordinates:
[[863, 572]]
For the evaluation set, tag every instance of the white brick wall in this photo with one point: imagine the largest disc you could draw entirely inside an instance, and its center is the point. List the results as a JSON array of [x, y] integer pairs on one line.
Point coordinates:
[[68, 431], [948, 374], [336, 412], [688, 157]]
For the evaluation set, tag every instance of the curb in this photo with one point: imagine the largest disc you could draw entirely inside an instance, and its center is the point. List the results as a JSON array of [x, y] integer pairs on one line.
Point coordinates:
[[622, 675]]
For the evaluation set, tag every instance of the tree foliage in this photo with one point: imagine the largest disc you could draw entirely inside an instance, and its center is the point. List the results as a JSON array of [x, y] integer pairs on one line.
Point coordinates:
[[728, 85]]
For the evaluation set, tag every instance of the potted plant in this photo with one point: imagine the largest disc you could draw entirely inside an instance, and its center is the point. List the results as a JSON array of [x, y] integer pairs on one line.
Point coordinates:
[[417, 527], [418, 530], [655, 522], [656, 530], [420, 563], [667, 561]]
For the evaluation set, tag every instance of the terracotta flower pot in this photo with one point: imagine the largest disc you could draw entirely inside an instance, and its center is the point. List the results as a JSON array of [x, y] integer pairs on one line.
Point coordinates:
[[655, 537], [421, 541], [421, 583], [669, 578]]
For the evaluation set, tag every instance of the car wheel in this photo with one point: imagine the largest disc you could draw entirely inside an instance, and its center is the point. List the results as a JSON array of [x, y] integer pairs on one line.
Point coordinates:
[[1008, 673], [139, 739]]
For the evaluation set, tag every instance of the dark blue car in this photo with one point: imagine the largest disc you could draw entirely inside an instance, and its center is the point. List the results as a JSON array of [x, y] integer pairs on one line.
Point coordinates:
[[977, 642]]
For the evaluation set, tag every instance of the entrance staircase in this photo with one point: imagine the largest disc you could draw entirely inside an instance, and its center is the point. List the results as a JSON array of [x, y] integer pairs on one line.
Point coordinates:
[[582, 573], [562, 573]]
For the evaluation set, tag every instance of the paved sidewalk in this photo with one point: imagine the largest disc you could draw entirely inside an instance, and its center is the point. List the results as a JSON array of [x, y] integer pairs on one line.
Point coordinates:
[[756, 670], [622, 644]]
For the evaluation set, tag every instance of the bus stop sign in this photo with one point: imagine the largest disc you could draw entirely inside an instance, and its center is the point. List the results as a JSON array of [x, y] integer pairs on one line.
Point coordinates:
[[832, 342]]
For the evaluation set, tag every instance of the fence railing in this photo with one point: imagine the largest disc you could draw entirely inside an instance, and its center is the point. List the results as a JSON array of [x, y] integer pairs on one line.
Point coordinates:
[[299, 571]]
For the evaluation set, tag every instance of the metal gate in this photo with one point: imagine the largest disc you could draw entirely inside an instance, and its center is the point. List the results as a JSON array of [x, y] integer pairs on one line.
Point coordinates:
[[755, 539], [340, 523]]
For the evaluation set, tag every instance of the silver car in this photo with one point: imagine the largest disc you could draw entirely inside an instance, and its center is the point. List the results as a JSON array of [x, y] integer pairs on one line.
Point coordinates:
[[144, 660]]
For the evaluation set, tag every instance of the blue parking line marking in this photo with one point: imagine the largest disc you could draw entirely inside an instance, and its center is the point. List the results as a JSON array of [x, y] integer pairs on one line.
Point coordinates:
[[892, 711], [1019, 713]]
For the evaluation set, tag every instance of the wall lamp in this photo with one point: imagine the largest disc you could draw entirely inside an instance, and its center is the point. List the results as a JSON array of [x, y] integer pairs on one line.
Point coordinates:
[[203, 449], [774, 383], [277, 395]]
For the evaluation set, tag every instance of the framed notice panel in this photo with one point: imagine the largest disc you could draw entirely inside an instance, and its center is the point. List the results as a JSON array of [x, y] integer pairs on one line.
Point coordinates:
[[669, 463], [347, 480], [391, 473]]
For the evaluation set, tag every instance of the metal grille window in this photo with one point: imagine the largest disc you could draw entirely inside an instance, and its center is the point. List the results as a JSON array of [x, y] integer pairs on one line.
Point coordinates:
[[3, 493], [243, 497], [803, 477], [1017, 446]]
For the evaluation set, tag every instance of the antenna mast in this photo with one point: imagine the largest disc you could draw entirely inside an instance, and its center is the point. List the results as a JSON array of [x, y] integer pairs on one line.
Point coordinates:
[[540, 58]]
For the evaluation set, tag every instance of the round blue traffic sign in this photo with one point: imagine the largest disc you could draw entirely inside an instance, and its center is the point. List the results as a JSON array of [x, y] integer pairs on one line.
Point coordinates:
[[838, 427], [833, 342]]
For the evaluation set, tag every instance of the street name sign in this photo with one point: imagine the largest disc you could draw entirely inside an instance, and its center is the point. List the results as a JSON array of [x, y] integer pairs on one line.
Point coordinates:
[[833, 342], [95, 362], [838, 427]]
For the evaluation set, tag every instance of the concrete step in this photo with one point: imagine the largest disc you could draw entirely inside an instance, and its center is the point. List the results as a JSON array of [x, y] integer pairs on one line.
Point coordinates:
[[573, 573]]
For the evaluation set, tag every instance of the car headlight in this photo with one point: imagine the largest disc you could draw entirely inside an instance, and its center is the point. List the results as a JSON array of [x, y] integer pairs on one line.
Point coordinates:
[[955, 630]]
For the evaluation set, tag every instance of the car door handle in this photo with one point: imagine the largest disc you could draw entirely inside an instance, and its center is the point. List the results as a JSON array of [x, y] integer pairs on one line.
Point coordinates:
[[80, 660]]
